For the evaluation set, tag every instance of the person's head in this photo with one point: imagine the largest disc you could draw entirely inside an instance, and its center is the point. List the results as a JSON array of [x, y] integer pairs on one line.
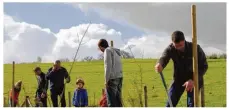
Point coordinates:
[[37, 70], [57, 63], [178, 40], [103, 44], [18, 84], [80, 83]]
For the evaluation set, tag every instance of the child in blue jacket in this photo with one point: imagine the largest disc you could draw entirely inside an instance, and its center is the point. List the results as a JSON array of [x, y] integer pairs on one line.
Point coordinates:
[[80, 98]]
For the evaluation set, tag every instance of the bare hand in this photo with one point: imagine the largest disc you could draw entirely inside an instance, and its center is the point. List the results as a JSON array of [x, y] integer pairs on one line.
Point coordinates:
[[158, 68], [54, 68], [42, 95], [189, 85]]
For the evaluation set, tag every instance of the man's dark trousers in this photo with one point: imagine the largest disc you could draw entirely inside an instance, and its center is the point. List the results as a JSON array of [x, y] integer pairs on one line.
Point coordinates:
[[54, 96], [114, 93], [175, 92]]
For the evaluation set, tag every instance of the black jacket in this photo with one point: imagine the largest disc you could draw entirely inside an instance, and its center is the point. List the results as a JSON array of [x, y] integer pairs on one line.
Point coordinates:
[[56, 78], [42, 84], [183, 63]]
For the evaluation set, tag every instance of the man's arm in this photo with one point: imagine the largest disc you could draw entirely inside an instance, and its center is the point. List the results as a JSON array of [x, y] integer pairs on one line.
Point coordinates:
[[202, 61], [66, 75], [166, 55], [107, 64], [47, 76], [46, 84]]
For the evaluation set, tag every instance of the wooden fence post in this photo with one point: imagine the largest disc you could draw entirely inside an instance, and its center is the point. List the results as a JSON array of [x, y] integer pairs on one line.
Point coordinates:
[[4, 101], [202, 98], [69, 99], [195, 57], [13, 84], [26, 101], [145, 96], [112, 43]]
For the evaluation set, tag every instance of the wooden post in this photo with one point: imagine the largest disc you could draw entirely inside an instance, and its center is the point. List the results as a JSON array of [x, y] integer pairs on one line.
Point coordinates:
[[195, 57], [13, 84], [26, 101], [69, 99], [29, 102], [202, 98], [94, 99], [145, 96], [112, 44], [4, 105]]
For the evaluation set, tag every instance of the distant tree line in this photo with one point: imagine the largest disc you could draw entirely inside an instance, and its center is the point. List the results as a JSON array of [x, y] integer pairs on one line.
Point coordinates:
[[217, 56], [127, 55]]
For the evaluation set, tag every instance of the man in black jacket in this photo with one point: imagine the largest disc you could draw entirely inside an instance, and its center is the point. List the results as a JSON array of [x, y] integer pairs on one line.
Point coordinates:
[[41, 93], [56, 76], [180, 51]]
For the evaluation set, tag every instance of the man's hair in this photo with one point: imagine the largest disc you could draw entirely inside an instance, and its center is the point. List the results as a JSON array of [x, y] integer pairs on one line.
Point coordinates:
[[57, 61], [177, 36], [103, 43], [37, 69]]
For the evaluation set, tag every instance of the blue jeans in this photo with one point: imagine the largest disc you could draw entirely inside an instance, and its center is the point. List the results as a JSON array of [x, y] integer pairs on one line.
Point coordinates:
[[114, 93], [176, 91]]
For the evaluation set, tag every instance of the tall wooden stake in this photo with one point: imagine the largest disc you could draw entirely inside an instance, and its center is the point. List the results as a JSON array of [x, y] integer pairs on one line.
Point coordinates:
[[195, 58], [5, 102], [69, 99], [112, 44], [13, 84], [145, 96], [202, 98]]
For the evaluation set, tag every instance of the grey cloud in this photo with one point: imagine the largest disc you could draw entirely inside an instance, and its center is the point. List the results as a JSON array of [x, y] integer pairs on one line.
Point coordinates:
[[167, 17]]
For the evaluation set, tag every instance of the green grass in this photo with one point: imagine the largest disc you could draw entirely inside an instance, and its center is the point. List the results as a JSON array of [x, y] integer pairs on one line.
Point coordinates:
[[92, 73]]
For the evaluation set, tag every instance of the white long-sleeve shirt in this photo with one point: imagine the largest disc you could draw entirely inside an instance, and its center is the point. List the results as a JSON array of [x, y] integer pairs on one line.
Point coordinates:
[[112, 64]]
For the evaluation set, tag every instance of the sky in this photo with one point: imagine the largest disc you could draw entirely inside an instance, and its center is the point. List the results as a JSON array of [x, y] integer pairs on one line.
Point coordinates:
[[49, 30]]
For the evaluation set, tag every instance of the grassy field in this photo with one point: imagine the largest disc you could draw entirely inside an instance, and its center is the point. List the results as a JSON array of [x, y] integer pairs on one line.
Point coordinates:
[[92, 73]]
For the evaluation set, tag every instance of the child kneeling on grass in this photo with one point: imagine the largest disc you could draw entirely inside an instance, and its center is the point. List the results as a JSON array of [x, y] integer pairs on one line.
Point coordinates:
[[17, 89], [80, 98]]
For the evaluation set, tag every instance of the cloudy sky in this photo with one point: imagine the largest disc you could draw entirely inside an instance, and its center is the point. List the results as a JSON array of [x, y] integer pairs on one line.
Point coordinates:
[[49, 30]]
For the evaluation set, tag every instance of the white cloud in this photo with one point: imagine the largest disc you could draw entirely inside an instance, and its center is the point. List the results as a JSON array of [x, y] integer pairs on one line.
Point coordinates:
[[168, 17], [24, 42], [152, 46], [67, 40]]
